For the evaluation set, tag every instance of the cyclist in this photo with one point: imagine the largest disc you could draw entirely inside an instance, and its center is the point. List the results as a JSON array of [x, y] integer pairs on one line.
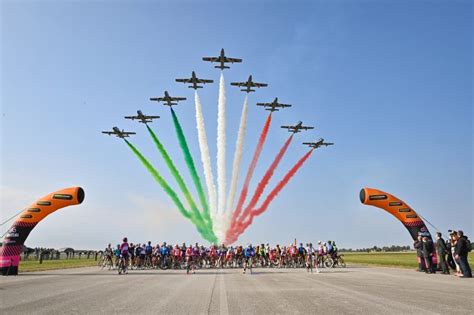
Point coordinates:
[[124, 255], [189, 253], [263, 255], [117, 255], [108, 252], [165, 251], [148, 253], [311, 254], [249, 253]]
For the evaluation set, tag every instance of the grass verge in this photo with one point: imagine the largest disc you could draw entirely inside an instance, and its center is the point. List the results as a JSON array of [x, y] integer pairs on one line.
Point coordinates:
[[34, 265]]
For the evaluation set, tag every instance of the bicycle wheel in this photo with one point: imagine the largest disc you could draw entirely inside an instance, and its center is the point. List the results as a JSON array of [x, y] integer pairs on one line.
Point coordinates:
[[329, 262]]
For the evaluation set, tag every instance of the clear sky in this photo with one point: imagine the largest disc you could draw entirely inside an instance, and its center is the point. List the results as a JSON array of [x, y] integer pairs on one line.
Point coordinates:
[[390, 82]]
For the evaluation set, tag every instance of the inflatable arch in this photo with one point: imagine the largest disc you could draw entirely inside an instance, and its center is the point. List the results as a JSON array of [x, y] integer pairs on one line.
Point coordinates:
[[399, 209], [28, 219]]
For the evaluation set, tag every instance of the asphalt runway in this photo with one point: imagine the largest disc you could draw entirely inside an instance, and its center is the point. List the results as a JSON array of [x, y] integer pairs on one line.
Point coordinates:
[[355, 290]]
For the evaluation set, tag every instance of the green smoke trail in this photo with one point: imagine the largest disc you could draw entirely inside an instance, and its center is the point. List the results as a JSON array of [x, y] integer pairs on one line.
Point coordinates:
[[171, 193], [179, 179], [190, 163]]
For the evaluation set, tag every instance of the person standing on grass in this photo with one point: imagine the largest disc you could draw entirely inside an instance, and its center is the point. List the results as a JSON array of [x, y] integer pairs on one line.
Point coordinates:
[[463, 246], [442, 250]]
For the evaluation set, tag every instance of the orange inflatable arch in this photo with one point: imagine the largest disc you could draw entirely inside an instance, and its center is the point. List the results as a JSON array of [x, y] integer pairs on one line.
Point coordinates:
[[396, 207], [15, 237]]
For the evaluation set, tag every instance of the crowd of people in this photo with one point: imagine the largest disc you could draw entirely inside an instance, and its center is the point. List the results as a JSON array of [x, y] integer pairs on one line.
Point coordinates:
[[443, 254], [191, 257]]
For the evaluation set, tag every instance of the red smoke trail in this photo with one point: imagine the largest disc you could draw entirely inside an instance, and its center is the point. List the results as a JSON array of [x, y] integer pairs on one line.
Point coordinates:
[[253, 164], [240, 228], [266, 178]]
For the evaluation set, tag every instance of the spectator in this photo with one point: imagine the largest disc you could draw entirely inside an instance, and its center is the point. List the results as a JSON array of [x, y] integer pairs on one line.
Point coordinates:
[[427, 248], [418, 245], [441, 251], [460, 254]]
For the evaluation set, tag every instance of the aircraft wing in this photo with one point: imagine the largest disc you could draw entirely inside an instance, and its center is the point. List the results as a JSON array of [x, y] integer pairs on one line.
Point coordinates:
[[238, 83], [158, 99], [260, 85], [205, 81], [183, 80], [151, 117], [233, 60], [127, 133], [288, 127], [284, 105], [306, 128], [131, 117], [211, 59], [263, 104], [178, 98], [108, 132], [307, 143]]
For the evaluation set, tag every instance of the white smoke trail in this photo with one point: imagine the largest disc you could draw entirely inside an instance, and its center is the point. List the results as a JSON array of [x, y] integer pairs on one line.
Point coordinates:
[[238, 156], [205, 158], [221, 163]]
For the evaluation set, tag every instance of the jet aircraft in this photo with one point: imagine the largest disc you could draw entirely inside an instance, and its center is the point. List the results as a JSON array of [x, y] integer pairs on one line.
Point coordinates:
[[249, 84], [318, 143], [273, 106], [222, 60], [194, 80], [297, 128], [142, 118], [119, 133], [168, 100]]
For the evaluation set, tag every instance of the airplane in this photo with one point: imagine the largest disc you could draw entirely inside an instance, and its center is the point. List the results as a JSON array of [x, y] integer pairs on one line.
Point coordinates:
[[142, 118], [116, 132], [318, 143], [249, 84], [194, 81], [222, 59], [297, 128], [168, 100], [273, 105]]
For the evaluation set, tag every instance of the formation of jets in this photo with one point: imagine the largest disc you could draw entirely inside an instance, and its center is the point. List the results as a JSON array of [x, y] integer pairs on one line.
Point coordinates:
[[297, 128], [222, 60], [168, 100], [195, 83], [273, 106], [318, 143], [194, 80], [142, 118], [119, 133], [249, 84]]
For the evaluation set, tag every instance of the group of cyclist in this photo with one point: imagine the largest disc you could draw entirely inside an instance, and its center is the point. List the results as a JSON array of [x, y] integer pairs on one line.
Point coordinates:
[[191, 257]]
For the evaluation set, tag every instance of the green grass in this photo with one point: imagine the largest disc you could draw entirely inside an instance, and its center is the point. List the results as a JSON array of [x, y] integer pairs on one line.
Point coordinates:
[[401, 259], [34, 265]]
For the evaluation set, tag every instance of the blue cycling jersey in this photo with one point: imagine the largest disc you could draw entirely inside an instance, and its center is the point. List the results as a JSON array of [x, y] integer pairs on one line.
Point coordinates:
[[164, 251], [249, 252], [148, 249]]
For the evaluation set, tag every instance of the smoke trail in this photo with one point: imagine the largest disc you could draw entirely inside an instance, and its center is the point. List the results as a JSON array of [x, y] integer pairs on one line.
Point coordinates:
[[190, 163], [253, 164], [171, 193], [240, 227], [177, 176], [281, 184], [205, 158], [266, 178], [238, 155], [221, 144]]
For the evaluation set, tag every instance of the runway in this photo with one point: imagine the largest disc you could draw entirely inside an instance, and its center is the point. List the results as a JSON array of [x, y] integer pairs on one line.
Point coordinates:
[[355, 290]]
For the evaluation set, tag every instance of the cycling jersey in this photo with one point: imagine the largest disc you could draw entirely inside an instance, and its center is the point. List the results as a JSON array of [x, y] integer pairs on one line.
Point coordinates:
[[124, 248], [165, 251], [148, 249], [189, 252], [249, 252]]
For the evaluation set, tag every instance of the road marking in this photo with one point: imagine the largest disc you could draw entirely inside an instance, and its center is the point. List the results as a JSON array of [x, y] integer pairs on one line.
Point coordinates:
[[223, 306]]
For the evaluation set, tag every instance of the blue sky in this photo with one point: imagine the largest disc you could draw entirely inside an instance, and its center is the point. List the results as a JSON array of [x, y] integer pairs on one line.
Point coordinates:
[[390, 82]]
